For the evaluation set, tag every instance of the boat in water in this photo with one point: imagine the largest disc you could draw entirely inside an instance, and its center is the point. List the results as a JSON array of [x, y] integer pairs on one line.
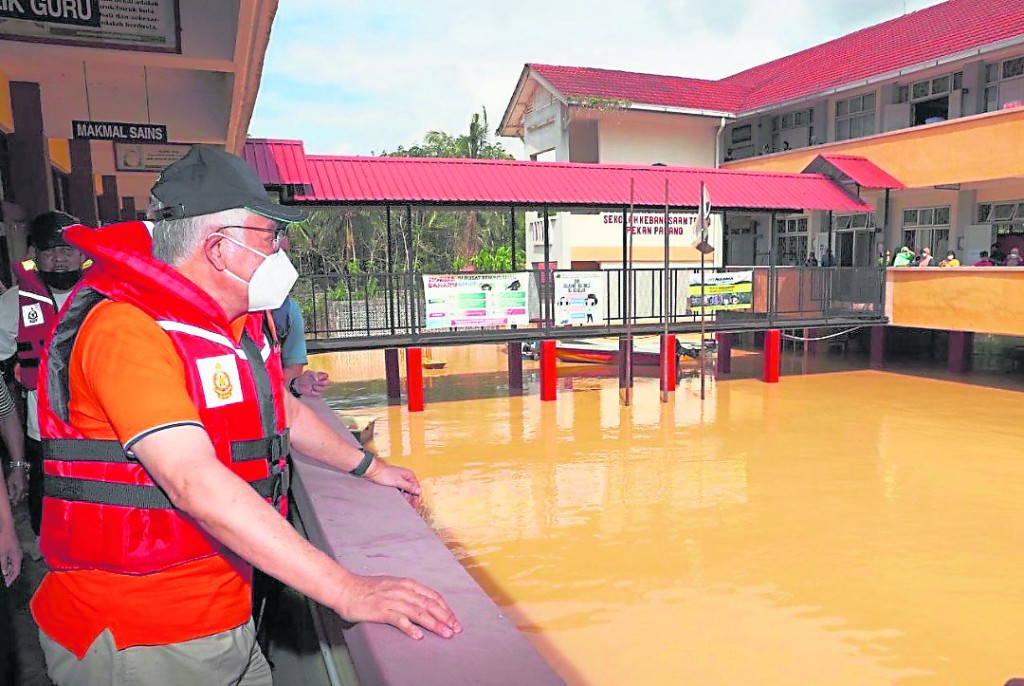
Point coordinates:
[[646, 351]]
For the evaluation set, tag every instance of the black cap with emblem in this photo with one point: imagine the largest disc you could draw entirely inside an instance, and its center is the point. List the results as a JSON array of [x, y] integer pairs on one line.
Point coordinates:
[[47, 229], [209, 180]]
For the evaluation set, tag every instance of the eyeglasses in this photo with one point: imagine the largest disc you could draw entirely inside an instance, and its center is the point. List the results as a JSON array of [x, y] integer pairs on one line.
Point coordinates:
[[280, 232]]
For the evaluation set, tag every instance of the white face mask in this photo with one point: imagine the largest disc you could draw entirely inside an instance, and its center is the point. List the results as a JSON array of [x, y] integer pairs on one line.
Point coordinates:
[[270, 284]]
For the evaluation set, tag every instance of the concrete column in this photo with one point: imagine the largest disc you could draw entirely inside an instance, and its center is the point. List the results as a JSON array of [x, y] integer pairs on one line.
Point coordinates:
[[393, 376], [878, 334], [961, 351], [723, 359], [810, 347], [127, 208], [30, 152], [81, 186], [515, 368], [772, 356], [108, 204]]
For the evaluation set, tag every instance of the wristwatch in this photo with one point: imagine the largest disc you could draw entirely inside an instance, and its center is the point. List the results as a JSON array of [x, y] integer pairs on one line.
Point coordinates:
[[364, 464], [291, 389]]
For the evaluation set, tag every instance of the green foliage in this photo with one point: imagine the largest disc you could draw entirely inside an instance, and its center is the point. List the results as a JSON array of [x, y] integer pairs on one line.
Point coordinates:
[[497, 259], [355, 240]]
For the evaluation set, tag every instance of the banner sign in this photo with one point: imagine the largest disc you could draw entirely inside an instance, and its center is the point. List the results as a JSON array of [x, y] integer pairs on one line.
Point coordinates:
[[486, 300], [118, 131], [134, 157], [722, 291], [581, 298], [149, 25], [75, 12]]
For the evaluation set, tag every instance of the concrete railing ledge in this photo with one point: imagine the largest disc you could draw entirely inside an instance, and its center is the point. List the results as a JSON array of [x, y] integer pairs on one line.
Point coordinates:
[[372, 530]]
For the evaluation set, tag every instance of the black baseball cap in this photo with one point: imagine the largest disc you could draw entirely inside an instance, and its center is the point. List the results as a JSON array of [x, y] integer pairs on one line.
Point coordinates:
[[47, 229], [209, 180]]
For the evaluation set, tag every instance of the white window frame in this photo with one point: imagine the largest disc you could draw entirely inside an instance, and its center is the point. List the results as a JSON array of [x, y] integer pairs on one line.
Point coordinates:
[[1010, 223], [930, 227], [862, 115], [995, 74]]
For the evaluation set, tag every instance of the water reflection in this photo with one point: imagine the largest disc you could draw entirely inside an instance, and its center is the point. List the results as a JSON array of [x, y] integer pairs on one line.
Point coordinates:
[[849, 528]]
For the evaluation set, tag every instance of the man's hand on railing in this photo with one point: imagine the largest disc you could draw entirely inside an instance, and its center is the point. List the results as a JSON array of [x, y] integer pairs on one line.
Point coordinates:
[[310, 383], [402, 603], [403, 479]]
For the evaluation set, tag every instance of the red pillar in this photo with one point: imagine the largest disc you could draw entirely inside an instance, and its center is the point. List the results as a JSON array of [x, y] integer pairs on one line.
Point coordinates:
[[723, 359], [961, 350], [548, 373], [414, 377], [393, 376], [877, 347], [668, 362], [772, 355]]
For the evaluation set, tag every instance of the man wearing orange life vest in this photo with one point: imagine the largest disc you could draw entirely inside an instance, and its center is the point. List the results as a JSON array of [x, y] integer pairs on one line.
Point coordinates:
[[44, 283], [165, 423]]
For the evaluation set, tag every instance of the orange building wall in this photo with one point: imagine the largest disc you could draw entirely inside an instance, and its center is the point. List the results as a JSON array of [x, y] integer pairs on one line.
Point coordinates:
[[978, 148], [979, 299]]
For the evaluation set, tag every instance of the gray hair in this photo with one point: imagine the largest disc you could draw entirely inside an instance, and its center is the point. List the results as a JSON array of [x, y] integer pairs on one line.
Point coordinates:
[[175, 240]]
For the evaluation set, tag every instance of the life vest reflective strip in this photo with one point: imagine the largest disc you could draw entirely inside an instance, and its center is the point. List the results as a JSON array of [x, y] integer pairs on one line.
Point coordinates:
[[36, 315], [245, 422]]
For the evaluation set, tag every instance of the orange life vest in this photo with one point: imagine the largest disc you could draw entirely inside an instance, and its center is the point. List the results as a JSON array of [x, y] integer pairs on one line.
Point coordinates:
[[101, 509]]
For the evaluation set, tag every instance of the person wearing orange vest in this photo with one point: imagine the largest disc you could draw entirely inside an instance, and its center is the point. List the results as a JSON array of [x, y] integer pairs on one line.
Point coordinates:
[[44, 283], [167, 427]]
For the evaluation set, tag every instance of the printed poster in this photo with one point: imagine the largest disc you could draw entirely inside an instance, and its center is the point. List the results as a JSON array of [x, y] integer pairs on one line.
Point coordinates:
[[148, 25], [141, 157], [722, 291], [581, 298], [476, 300]]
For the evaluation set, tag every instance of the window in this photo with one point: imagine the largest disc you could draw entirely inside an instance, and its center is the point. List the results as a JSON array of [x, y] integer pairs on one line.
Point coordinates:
[[793, 120], [851, 222], [1007, 218], [1013, 68], [742, 134], [1002, 71], [902, 94], [926, 227], [791, 240], [855, 117]]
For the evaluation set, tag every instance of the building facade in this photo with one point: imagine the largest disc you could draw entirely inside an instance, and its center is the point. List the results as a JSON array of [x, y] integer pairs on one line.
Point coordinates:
[[934, 100]]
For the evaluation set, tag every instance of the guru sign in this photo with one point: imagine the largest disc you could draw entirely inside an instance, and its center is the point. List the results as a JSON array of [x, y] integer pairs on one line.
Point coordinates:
[[75, 12]]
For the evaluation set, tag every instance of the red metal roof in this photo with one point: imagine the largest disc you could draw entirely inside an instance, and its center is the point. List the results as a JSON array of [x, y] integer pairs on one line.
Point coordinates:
[[917, 38], [278, 162], [855, 169], [378, 180]]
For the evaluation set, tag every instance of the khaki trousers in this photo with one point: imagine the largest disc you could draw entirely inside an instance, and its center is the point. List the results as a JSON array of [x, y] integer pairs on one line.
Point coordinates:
[[231, 658]]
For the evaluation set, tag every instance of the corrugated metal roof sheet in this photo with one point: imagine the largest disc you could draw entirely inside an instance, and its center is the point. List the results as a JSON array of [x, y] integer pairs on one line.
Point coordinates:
[[379, 180], [917, 38], [853, 168], [278, 162]]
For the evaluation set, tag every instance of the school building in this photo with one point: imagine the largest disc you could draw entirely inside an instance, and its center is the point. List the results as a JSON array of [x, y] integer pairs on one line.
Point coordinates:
[[921, 117]]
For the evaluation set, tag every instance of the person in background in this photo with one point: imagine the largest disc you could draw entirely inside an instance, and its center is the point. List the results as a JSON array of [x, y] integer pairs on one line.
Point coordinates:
[[996, 255], [1014, 259], [984, 261], [10, 549], [811, 261], [925, 259], [17, 480], [291, 331], [44, 281], [950, 260], [827, 259], [904, 258]]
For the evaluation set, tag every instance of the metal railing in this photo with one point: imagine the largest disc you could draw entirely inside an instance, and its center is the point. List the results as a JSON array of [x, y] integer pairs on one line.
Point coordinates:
[[376, 310]]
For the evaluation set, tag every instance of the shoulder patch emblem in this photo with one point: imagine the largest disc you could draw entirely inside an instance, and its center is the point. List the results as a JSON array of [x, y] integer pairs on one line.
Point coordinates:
[[31, 315], [219, 376]]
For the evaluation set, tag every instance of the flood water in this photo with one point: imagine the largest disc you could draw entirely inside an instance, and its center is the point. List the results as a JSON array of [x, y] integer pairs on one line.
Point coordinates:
[[856, 527]]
